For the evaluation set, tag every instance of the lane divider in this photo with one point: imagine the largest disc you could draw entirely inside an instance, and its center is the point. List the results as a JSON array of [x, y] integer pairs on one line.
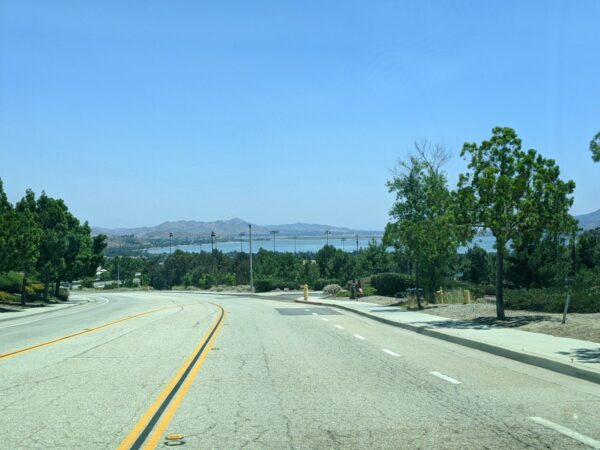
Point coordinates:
[[389, 352], [82, 332], [445, 377], [567, 432], [147, 432]]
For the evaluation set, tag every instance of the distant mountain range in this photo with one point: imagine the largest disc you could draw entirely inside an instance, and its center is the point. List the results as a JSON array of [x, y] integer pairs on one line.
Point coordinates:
[[589, 221], [233, 227], [228, 228]]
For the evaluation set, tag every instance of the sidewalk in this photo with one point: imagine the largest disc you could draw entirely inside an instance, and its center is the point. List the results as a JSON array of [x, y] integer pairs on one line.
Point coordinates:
[[8, 312], [572, 357]]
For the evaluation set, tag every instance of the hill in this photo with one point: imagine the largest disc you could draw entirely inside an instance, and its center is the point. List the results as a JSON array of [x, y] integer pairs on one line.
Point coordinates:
[[589, 221], [226, 229]]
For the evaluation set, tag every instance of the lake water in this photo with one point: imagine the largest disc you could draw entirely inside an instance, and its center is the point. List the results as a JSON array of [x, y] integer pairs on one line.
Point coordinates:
[[290, 245]]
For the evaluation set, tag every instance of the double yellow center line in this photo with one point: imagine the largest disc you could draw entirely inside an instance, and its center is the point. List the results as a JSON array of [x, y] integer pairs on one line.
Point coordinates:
[[79, 333], [150, 428]]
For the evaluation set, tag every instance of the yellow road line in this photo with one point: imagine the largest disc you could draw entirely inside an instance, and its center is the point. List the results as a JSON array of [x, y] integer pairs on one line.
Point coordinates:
[[79, 333], [151, 426]]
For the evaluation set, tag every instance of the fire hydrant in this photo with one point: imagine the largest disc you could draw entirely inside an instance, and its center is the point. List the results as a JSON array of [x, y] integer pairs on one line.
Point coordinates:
[[306, 292]]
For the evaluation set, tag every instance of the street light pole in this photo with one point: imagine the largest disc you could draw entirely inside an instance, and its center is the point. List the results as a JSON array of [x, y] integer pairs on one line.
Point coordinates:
[[250, 243], [357, 243], [242, 234], [274, 233], [212, 241], [170, 237], [294, 244], [327, 233], [343, 244]]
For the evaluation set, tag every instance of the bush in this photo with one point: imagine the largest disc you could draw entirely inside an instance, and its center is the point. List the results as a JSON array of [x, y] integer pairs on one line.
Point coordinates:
[[369, 290], [263, 285], [63, 294], [391, 283], [322, 282], [552, 300], [87, 283], [11, 282], [112, 285], [332, 289], [6, 297], [343, 293]]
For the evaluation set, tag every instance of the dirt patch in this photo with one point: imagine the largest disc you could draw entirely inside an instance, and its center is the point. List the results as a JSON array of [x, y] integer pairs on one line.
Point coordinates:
[[578, 326]]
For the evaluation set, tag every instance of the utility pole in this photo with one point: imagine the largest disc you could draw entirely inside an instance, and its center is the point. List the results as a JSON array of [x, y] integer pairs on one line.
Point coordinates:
[[327, 233], [170, 237], [118, 271], [357, 243], [212, 241], [294, 244], [274, 233], [343, 244], [250, 242], [242, 234]]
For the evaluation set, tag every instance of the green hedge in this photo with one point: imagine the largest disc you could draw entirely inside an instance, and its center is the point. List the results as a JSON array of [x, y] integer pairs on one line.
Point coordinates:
[[267, 284], [552, 300], [320, 283], [11, 282], [391, 283]]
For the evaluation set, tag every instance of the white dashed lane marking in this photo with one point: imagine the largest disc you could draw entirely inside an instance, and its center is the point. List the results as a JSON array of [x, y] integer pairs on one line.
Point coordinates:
[[567, 432], [444, 377], [325, 319], [358, 336], [314, 314], [389, 352], [339, 327]]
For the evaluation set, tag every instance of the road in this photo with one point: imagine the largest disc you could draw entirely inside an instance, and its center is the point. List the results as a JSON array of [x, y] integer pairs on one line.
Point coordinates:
[[129, 369]]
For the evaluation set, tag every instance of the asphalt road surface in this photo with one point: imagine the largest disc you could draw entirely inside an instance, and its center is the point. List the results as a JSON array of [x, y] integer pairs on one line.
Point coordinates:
[[146, 370]]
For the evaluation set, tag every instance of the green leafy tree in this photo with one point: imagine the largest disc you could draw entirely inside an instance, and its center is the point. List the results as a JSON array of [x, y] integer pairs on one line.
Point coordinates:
[[422, 222], [52, 219], [595, 147], [517, 195], [479, 267]]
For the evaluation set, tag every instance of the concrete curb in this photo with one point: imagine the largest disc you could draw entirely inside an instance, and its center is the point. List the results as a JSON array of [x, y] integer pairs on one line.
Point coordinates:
[[539, 361], [44, 311]]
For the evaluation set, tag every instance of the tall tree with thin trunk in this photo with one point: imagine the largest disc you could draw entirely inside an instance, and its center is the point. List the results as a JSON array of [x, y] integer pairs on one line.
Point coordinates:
[[513, 193], [595, 147]]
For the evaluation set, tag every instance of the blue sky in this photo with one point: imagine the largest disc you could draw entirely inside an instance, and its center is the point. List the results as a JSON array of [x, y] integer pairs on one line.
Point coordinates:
[[279, 112]]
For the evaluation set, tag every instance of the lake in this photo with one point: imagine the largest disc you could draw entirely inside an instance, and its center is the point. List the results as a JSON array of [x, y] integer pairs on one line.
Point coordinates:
[[286, 244]]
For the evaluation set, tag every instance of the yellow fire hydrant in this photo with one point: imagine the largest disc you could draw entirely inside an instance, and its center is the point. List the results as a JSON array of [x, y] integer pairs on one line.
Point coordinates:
[[466, 297], [306, 292], [440, 295]]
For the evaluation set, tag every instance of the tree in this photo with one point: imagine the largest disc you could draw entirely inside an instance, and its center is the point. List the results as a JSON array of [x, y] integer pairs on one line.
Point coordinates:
[[478, 269], [595, 147], [422, 215], [52, 219], [517, 195]]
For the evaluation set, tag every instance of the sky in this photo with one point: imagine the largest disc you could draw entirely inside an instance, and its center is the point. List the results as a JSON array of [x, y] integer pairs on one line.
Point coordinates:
[[136, 113]]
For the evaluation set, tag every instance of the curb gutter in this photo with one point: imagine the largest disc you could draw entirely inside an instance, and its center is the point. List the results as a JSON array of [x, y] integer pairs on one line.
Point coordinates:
[[44, 311], [539, 361]]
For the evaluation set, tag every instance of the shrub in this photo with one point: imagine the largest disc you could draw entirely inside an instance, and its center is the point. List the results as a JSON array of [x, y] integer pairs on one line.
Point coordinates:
[[343, 293], [391, 283], [263, 285], [11, 282], [63, 294], [87, 283], [6, 297], [332, 289], [112, 285], [369, 290], [552, 300], [322, 282], [291, 285]]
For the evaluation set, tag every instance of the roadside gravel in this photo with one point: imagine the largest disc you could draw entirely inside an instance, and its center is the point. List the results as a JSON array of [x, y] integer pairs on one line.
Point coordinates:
[[578, 326]]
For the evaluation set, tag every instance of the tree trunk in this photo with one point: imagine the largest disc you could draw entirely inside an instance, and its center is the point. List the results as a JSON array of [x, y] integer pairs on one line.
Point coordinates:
[[56, 288], [499, 280], [46, 287], [23, 288], [417, 285]]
